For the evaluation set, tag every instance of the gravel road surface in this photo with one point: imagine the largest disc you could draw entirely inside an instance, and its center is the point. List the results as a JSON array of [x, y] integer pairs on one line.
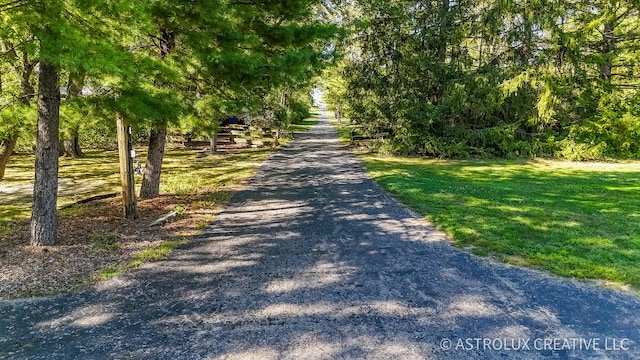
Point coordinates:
[[313, 261]]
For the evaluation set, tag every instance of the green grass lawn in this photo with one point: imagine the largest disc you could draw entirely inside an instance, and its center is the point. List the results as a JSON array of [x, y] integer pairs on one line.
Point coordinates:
[[574, 219], [98, 173]]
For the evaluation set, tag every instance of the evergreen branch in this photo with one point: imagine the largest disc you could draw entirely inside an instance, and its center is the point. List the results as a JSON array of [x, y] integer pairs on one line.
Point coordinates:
[[92, 24], [14, 100], [12, 5], [79, 20], [622, 16]]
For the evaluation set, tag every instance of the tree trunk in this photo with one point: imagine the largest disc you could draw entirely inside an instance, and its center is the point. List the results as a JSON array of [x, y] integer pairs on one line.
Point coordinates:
[[44, 224], [608, 45], [6, 149], [213, 142], [71, 141], [70, 145], [61, 147], [151, 179], [442, 48], [444, 29], [26, 89], [77, 151]]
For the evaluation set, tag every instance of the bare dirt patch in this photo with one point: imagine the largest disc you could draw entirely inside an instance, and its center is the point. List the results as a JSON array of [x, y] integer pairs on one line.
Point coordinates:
[[95, 237]]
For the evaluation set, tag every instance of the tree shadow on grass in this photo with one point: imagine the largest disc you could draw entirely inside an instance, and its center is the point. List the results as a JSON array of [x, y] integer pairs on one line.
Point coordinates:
[[579, 223]]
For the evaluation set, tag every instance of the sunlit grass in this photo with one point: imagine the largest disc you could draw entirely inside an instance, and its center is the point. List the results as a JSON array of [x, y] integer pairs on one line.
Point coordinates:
[[108, 273], [306, 124], [182, 174], [343, 128], [98, 173], [574, 219]]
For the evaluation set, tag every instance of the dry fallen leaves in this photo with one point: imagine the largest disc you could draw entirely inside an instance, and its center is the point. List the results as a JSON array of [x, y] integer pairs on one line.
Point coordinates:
[[82, 234]]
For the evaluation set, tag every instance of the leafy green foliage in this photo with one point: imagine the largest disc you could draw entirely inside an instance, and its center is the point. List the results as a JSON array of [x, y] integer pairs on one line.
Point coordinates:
[[493, 78]]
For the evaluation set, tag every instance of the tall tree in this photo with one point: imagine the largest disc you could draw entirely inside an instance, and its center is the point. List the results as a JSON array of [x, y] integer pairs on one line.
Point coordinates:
[[67, 35], [45, 187], [150, 188]]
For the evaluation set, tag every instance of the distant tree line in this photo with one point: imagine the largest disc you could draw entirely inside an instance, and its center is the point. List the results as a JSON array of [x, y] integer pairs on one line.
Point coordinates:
[[498, 78]]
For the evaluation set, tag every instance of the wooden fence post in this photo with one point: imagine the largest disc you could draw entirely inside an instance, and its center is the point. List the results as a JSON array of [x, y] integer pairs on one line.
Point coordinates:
[[213, 143], [126, 169]]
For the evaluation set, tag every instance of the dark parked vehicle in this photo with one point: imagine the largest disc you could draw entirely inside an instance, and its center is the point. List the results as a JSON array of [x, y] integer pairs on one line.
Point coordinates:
[[232, 120]]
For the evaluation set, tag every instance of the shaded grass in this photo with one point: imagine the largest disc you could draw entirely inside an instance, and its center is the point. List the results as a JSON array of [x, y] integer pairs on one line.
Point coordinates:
[[574, 219]]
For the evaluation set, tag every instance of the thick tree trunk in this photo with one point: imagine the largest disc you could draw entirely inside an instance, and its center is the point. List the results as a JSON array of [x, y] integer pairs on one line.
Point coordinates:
[[151, 179], [44, 224], [6, 149]]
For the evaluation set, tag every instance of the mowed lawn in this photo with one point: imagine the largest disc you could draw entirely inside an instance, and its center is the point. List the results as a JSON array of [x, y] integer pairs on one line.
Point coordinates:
[[98, 173], [574, 219]]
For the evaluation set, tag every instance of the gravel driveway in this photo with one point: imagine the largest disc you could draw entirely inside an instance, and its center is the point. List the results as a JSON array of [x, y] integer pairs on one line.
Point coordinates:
[[313, 261]]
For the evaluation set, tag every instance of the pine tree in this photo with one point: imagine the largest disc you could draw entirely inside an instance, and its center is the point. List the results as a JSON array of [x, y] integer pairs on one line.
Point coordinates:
[[62, 36]]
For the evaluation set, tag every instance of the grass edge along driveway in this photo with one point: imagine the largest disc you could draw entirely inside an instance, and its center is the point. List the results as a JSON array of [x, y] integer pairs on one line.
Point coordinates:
[[578, 220]]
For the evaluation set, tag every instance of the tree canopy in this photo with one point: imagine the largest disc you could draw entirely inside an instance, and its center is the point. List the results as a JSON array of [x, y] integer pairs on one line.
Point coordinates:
[[154, 64], [495, 78]]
